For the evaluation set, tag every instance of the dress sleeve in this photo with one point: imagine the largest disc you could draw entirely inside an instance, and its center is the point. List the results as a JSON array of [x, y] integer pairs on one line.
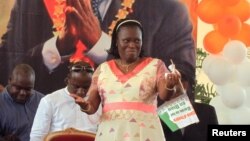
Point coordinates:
[[95, 77], [93, 93]]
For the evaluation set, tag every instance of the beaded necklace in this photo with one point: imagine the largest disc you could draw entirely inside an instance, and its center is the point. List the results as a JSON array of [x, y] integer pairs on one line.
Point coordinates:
[[122, 13]]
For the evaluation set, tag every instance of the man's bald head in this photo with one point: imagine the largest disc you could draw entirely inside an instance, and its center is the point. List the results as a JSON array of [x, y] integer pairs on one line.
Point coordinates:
[[21, 83], [23, 70]]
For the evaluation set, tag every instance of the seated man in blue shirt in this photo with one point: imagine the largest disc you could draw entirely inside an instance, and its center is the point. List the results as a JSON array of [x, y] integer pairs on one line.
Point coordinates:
[[18, 104]]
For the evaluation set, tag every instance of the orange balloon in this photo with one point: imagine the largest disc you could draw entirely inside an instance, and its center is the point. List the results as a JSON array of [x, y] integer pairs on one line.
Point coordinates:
[[228, 2], [229, 25], [241, 9], [244, 34], [214, 42], [210, 11]]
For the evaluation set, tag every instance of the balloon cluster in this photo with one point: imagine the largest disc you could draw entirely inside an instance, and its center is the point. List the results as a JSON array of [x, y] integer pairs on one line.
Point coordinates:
[[227, 65]]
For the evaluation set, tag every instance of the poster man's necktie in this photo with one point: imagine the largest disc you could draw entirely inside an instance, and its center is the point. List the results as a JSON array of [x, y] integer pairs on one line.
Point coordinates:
[[95, 5]]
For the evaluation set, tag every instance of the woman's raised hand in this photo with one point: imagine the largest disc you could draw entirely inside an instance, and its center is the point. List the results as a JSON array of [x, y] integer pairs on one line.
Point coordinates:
[[81, 102]]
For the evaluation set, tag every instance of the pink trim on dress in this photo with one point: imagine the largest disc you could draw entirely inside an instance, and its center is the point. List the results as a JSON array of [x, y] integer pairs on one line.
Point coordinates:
[[139, 106], [122, 77]]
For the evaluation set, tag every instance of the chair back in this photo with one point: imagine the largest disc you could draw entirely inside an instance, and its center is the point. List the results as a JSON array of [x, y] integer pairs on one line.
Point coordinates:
[[70, 134]]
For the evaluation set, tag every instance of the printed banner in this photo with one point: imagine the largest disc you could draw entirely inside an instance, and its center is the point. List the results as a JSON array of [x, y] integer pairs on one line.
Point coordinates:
[[178, 113]]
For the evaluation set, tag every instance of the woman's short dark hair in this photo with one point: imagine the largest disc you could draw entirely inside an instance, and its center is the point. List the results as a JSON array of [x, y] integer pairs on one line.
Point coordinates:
[[123, 23]]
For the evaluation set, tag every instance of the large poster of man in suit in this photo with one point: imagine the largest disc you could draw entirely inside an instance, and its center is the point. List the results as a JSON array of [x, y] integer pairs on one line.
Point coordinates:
[[33, 35]]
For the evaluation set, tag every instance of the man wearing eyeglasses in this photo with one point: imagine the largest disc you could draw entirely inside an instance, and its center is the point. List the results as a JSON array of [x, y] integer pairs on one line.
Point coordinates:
[[18, 104], [58, 110]]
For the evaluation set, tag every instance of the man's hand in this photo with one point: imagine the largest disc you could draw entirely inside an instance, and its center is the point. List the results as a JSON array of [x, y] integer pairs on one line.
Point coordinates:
[[88, 26], [80, 24], [68, 37]]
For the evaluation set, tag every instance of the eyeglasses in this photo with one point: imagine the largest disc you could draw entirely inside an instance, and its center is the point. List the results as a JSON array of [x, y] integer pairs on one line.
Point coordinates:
[[79, 68]]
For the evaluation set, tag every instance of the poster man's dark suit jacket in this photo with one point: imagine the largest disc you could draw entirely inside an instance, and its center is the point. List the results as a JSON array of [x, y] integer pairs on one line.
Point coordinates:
[[167, 35]]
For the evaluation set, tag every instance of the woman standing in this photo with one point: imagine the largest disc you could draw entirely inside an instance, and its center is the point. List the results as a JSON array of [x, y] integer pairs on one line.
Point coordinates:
[[127, 87]]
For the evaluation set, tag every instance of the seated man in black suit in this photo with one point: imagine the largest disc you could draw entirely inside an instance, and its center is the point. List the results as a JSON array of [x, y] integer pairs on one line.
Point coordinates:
[[194, 132]]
